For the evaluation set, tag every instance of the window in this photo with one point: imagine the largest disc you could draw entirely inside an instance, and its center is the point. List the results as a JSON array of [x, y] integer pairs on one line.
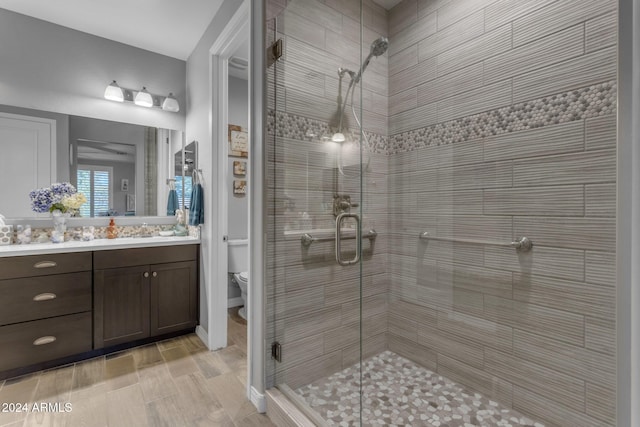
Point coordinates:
[[95, 183], [188, 184]]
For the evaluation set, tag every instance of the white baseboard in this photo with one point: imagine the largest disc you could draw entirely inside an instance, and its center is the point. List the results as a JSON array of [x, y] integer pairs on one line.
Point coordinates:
[[203, 335], [235, 302], [258, 400]]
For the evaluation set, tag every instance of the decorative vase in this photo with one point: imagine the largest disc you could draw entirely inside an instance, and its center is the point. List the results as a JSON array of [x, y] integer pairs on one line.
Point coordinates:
[[59, 226]]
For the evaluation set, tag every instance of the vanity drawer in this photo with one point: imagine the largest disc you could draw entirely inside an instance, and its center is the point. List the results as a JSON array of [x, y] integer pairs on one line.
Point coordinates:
[[29, 343], [44, 265], [144, 256], [33, 298]]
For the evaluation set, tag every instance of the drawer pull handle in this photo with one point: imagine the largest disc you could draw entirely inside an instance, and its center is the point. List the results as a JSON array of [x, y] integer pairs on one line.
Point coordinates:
[[45, 297], [155, 274], [45, 264], [146, 274], [44, 340]]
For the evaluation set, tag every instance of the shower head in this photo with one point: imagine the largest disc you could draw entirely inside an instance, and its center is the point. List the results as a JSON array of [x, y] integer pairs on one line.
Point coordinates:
[[379, 46]]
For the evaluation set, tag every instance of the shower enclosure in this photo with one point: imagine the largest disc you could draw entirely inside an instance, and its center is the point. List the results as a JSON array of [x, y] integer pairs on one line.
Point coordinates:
[[441, 211]]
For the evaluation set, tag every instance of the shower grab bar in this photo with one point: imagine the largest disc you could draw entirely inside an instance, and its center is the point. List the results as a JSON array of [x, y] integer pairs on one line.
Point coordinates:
[[307, 239], [522, 244]]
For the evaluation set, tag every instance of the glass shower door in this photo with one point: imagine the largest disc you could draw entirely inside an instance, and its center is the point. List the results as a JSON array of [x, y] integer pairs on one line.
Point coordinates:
[[323, 269]]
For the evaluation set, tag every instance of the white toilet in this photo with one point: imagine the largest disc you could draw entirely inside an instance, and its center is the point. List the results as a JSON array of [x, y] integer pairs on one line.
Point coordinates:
[[238, 266]]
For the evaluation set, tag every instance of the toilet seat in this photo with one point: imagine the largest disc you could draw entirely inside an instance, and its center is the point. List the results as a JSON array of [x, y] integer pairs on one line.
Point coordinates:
[[244, 276]]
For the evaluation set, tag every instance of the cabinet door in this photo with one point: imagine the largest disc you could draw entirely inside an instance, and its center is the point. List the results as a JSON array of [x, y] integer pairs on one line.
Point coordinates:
[[174, 297], [121, 310]]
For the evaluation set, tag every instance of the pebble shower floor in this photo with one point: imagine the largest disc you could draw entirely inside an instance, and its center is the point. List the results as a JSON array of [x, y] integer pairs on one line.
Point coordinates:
[[397, 392]]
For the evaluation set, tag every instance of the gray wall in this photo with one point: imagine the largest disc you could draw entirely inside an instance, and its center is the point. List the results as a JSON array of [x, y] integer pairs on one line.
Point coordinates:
[[49, 67]]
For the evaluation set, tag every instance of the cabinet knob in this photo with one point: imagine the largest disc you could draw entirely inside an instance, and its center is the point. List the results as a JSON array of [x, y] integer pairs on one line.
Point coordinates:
[[44, 340], [155, 274], [146, 274], [45, 296]]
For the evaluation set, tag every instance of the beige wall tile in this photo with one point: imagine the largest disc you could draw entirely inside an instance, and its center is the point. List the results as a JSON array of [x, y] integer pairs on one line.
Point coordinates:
[[566, 358], [600, 335], [601, 132], [601, 403], [412, 351], [586, 70], [504, 11], [549, 411], [573, 233], [564, 389], [543, 201], [600, 268], [477, 330], [578, 168], [476, 50], [464, 30], [601, 31], [552, 49], [476, 379], [600, 200], [554, 139], [556, 16], [560, 325], [475, 101], [452, 346], [456, 10], [541, 260], [575, 297]]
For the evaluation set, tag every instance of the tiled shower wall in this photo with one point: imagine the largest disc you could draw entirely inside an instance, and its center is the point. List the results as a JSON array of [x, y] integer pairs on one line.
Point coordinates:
[[313, 303], [488, 121], [502, 124]]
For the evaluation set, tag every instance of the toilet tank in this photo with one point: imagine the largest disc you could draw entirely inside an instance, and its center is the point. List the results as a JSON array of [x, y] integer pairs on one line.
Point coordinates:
[[238, 255]]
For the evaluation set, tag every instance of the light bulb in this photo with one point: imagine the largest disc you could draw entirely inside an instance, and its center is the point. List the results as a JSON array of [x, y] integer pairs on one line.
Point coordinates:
[[170, 104], [338, 137], [113, 92], [143, 98]]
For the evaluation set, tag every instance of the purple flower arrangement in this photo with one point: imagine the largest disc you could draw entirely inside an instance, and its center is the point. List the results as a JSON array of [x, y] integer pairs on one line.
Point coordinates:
[[60, 196]]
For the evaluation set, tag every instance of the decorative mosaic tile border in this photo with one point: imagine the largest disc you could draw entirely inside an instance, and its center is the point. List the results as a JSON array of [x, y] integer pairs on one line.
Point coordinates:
[[592, 101], [43, 235], [305, 129]]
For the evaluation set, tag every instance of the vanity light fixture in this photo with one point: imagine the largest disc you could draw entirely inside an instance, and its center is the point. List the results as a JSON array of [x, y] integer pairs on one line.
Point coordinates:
[[170, 104], [144, 98], [113, 92]]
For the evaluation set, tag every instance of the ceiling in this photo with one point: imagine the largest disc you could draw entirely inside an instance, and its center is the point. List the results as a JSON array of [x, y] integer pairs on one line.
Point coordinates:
[[387, 4], [168, 27]]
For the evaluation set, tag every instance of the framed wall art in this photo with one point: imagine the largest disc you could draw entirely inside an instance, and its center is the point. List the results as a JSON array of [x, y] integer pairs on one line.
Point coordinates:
[[239, 187], [239, 168], [238, 141]]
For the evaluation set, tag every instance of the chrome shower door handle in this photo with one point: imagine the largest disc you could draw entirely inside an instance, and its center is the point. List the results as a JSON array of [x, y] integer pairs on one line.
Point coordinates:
[[339, 220]]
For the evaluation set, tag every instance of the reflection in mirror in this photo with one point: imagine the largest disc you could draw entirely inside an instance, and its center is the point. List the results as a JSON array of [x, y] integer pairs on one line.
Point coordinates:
[[185, 164], [121, 168]]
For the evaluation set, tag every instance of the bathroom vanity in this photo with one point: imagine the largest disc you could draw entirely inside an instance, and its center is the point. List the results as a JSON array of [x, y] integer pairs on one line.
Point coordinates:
[[69, 301]]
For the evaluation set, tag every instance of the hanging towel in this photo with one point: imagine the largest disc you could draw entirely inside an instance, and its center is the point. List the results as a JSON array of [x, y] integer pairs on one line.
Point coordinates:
[[196, 209], [172, 203]]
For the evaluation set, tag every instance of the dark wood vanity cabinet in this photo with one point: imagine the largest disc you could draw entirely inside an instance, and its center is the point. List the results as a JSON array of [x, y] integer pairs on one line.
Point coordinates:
[[141, 293], [45, 308]]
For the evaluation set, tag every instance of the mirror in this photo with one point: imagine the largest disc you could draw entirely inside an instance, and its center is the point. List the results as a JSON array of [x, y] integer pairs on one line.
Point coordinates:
[[122, 169]]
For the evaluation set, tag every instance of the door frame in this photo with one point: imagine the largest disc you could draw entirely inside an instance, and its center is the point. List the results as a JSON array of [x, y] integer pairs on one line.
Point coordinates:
[[220, 52]]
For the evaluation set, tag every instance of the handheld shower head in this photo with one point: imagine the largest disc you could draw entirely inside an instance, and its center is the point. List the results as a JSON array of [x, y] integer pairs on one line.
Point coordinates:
[[379, 46]]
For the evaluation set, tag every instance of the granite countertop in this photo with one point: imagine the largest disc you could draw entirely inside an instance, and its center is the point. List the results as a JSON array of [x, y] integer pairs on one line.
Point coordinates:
[[94, 245]]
